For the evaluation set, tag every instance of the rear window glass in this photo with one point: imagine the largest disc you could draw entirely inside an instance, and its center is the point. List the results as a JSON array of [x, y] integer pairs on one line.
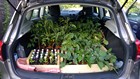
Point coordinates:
[[35, 13], [72, 11]]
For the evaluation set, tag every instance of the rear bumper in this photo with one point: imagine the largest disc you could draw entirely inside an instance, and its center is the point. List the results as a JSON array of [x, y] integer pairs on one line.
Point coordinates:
[[128, 69], [7, 72], [3, 71]]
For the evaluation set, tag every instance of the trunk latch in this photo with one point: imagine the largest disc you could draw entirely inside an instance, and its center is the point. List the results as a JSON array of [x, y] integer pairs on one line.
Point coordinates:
[[67, 76]]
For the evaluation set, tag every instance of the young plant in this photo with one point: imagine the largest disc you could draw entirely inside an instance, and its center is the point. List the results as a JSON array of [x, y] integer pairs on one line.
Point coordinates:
[[42, 33], [81, 42], [31, 61], [83, 45]]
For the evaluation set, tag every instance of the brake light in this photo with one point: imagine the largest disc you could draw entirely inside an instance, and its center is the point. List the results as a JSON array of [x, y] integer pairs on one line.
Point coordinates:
[[1, 43], [138, 49]]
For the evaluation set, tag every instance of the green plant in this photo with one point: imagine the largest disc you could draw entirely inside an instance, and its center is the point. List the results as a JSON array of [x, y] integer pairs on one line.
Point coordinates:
[[7, 15], [83, 45], [81, 42], [42, 33], [41, 60], [31, 61]]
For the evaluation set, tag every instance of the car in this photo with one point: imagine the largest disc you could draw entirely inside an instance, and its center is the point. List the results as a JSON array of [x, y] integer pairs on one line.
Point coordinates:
[[133, 15], [107, 13]]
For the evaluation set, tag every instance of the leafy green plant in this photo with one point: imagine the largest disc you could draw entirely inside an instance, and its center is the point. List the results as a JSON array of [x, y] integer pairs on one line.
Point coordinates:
[[7, 15], [42, 33], [31, 61], [83, 46], [41, 60], [81, 42]]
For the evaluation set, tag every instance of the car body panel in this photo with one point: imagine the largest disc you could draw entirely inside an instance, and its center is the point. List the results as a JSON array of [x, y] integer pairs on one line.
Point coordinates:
[[3, 70]]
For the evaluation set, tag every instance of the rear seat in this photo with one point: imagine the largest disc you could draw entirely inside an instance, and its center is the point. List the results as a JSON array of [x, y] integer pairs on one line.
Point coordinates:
[[111, 25], [54, 12], [85, 13], [111, 33]]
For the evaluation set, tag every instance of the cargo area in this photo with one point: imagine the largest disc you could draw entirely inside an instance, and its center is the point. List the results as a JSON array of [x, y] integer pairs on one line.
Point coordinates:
[[76, 31]]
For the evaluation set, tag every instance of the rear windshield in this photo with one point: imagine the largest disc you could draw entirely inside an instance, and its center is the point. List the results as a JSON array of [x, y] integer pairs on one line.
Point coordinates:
[[73, 12], [68, 10]]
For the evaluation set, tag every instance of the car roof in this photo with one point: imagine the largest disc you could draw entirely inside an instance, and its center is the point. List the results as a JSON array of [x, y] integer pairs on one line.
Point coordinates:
[[106, 2], [43, 1]]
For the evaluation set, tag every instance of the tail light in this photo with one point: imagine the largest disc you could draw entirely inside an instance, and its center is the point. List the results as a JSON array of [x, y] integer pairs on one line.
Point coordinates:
[[1, 43], [138, 49]]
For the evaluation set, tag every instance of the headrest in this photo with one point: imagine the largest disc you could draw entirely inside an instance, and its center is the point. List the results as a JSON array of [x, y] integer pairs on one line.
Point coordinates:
[[54, 10]]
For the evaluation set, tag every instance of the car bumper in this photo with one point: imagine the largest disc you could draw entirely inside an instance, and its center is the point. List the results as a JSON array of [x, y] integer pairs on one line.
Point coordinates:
[[7, 72], [3, 71]]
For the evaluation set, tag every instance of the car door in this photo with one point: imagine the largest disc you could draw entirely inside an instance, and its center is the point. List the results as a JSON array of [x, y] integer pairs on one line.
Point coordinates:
[[133, 14]]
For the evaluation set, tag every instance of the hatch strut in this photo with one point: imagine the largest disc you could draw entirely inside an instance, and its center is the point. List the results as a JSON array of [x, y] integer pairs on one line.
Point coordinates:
[[13, 6], [123, 5]]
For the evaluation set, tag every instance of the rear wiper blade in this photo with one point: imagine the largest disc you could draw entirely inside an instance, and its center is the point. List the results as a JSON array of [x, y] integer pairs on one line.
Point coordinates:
[[13, 6]]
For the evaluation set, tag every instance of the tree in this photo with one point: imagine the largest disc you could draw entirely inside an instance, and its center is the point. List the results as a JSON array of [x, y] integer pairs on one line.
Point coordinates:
[[128, 4], [69, 6]]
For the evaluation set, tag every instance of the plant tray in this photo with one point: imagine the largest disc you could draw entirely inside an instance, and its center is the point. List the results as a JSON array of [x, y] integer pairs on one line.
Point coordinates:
[[82, 69], [22, 63], [45, 53]]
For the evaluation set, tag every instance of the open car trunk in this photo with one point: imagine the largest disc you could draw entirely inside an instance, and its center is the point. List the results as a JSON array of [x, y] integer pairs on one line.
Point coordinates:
[[22, 51], [115, 44]]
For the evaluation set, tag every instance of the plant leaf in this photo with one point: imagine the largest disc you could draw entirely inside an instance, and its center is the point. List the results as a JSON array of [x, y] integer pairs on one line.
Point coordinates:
[[105, 42], [102, 53], [100, 64], [80, 58], [113, 59], [62, 64], [68, 55]]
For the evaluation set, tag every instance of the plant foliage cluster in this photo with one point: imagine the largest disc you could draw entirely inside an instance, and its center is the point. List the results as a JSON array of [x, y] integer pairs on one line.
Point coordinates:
[[81, 42], [7, 15]]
